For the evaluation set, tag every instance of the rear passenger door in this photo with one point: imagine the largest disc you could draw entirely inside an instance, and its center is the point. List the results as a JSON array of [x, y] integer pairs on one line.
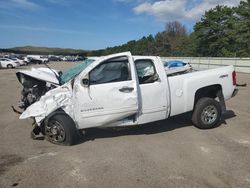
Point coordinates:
[[153, 92]]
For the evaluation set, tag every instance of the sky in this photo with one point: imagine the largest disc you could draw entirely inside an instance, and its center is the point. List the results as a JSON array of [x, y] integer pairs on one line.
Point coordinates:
[[93, 24]]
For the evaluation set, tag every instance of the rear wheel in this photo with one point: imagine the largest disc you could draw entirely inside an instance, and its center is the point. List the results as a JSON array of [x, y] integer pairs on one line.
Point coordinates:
[[61, 130], [207, 113]]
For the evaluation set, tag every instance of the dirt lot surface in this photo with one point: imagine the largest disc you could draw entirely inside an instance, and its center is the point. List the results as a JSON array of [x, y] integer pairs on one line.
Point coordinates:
[[169, 153]]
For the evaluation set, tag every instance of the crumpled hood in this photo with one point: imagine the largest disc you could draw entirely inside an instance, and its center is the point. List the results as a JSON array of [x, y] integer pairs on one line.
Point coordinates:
[[44, 74], [60, 97]]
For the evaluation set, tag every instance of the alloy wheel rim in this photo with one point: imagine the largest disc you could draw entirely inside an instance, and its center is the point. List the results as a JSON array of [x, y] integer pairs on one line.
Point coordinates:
[[55, 132], [209, 115]]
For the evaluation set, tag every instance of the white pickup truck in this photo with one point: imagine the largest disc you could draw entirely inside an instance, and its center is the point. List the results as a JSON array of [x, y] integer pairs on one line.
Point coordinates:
[[121, 90]]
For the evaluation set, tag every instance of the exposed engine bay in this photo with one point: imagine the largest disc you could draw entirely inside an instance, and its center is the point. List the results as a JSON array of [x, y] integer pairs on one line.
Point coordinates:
[[32, 90], [37, 81]]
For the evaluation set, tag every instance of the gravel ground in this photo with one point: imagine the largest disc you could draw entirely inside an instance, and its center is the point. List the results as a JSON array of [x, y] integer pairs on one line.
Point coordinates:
[[170, 153]]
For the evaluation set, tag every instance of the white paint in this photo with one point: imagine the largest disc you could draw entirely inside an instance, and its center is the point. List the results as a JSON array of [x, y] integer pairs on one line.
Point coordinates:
[[178, 92], [189, 83], [153, 97], [104, 104], [101, 104], [44, 74]]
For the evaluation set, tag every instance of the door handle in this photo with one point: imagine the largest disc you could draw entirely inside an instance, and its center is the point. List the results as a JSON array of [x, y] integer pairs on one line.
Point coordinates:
[[126, 89]]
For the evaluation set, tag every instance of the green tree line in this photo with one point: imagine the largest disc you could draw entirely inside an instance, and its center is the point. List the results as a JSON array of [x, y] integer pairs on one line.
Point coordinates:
[[222, 32]]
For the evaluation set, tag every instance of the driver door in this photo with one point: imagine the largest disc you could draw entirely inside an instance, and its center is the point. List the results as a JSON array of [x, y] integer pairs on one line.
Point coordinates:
[[110, 94]]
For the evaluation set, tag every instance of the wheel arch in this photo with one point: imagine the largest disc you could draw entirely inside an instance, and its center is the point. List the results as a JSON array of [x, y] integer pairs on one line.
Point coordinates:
[[210, 91], [59, 111], [9, 65], [68, 125]]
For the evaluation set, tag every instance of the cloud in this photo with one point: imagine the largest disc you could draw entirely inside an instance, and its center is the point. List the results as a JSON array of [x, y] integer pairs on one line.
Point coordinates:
[[23, 4], [163, 9], [169, 10]]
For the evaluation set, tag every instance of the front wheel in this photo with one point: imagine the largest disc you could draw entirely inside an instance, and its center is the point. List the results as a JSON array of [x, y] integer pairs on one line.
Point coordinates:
[[61, 130], [207, 113], [9, 66]]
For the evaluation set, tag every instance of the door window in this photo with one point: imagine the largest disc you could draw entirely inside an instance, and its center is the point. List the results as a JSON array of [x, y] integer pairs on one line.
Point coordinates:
[[146, 71], [113, 70]]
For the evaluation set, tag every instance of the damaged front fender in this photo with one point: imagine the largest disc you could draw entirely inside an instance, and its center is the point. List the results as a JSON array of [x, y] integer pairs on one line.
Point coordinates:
[[60, 97]]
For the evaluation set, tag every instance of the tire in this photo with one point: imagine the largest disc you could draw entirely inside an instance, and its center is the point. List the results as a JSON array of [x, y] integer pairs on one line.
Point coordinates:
[[207, 113], [9, 66], [61, 130]]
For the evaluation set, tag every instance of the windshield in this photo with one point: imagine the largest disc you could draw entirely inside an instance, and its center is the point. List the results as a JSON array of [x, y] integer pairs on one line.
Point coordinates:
[[75, 70]]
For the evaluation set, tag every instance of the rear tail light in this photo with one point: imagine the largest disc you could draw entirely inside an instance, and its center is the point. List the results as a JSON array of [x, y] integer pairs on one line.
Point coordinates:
[[234, 78]]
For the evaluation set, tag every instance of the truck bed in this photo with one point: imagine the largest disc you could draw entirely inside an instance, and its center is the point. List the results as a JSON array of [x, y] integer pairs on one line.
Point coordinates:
[[183, 86]]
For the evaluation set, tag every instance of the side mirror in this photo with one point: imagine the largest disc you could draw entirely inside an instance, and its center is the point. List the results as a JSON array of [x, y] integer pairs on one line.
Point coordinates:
[[60, 73], [85, 82]]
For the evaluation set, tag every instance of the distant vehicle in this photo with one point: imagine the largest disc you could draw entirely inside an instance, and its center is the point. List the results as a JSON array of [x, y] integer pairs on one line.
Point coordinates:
[[34, 61], [8, 63], [37, 59], [176, 67], [80, 58], [54, 58], [26, 60], [74, 58], [63, 58], [21, 62], [68, 58]]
